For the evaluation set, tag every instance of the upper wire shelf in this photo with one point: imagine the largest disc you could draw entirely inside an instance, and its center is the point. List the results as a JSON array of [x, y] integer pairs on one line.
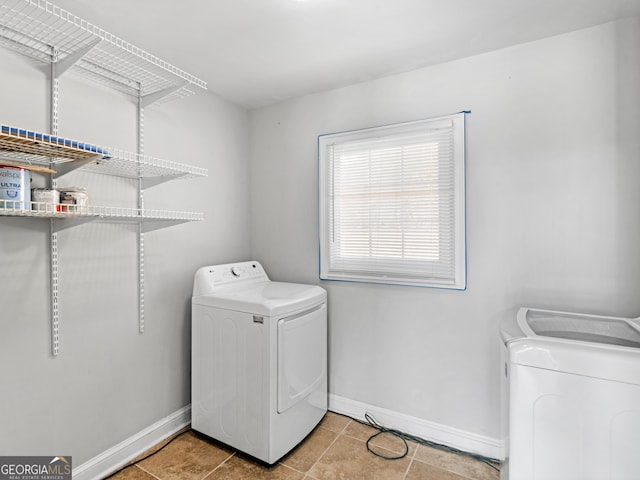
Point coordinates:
[[64, 155], [37, 28]]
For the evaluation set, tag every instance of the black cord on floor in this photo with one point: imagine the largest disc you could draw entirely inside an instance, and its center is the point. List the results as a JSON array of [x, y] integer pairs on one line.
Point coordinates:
[[491, 462], [168, 442]]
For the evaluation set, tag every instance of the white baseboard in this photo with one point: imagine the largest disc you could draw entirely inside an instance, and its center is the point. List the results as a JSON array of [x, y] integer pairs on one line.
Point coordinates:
[[110, 460], [435, 432]]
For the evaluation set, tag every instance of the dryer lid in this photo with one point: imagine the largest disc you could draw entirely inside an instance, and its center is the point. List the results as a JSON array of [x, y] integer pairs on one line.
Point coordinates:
[[265, 298]]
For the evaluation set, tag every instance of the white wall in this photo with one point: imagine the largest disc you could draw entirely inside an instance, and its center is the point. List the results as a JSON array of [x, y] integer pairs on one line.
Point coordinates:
[[552, 214], [110, 382], [552, 222]]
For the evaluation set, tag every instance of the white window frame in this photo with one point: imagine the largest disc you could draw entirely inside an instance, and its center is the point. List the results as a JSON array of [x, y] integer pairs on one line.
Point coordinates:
[[441, 263]]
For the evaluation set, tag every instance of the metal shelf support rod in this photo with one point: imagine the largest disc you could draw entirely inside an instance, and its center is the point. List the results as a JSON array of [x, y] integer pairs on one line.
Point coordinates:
[[53, 235], [140, 151]]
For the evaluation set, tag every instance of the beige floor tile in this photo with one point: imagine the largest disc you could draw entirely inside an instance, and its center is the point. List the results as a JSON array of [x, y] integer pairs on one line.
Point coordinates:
[[310, 450], [334, 422], [386, 441], [240, 467], [460, 464], [132, 473], [424, 471], [188, 457], [161, 444], [348, 459], [335, 450]]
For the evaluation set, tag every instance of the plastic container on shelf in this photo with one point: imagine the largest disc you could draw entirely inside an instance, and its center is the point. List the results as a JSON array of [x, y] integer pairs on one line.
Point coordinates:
[[45, 200], [73, 198]]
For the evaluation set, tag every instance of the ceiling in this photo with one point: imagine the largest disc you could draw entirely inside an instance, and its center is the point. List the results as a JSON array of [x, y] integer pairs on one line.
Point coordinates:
[[259, 52]]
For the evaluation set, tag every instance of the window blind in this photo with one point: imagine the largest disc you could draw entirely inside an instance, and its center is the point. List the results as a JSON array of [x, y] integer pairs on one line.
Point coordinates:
[[392, 204]]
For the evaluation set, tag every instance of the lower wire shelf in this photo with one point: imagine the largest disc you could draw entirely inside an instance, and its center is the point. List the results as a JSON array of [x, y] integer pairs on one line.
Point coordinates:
[[11, 208]]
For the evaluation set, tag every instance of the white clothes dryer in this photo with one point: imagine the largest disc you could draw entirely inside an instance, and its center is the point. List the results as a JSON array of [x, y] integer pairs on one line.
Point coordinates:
[[259, 359]]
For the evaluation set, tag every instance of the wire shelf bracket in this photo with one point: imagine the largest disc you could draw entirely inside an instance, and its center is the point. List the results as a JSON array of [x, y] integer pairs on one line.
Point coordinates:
[[59, 225], [151, 98], [61, 66], [148, 182], [68, 167]]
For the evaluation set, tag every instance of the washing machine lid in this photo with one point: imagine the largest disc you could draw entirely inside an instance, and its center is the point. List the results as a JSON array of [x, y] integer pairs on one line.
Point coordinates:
[[578, 328], [268, 298], [587, 345]]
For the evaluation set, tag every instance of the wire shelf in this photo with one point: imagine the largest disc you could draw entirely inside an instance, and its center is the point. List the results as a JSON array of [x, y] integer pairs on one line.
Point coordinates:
[[34, 148], [36, 28], [13, 208], [27, 144]]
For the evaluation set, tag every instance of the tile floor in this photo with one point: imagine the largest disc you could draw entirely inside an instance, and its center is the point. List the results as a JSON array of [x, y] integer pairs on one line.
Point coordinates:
[[334, 450]]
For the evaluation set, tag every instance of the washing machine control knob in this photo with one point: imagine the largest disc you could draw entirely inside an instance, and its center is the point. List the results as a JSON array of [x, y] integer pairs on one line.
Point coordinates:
[[235, 271]]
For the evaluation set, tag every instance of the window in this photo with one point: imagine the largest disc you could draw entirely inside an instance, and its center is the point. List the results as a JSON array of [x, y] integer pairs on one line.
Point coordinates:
[[392, 204]]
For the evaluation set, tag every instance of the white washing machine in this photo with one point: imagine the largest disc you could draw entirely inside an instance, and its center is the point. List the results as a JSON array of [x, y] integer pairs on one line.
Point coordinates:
[[572, 396], [259, 359]]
